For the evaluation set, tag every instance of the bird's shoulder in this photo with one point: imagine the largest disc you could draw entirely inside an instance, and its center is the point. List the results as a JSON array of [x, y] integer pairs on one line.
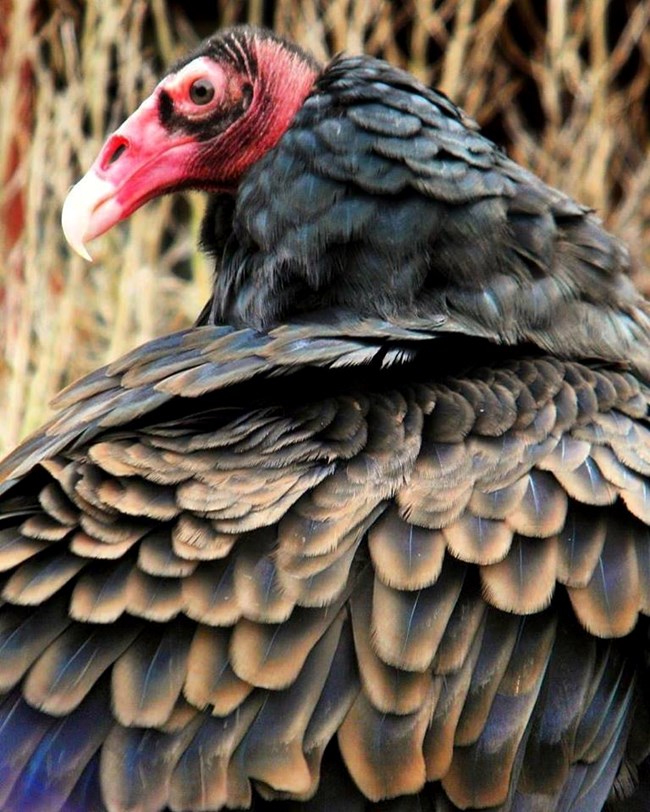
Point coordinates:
[[378, 125], [393, 202], [179, 373]]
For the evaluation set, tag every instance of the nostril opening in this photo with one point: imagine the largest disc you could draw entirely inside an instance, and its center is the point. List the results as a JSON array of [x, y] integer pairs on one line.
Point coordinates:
[[116, 149], [117, 153]]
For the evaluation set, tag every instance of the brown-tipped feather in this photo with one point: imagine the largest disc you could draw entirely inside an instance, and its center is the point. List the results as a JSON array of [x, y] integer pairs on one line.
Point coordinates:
[[210, 679], [86, 546], [543, 508], [580, 545], [405, 556], [154, 598], [38, 579], [136, 765], [45, 528], [15, 548], [272, 750], [498, 502], [156, 556], [25, 635], [568, 454], [504, 734], [339, 692], [209, 594], [272, 655], [148, 678], [462, 628], [438, 747], [389, 689], [384, 752], [136, 497], [69, 667], [203, 778], [477, 540], [117, 530], [587, 484], [524, 581], [407, 626], [197, 539], [100, 596], [258, 586], [609, 603], [56, 504], [642, 539], [497, 642], [326, 584]]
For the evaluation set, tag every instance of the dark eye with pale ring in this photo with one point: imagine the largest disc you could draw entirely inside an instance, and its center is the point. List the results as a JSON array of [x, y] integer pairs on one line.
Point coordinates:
[[202, 91]]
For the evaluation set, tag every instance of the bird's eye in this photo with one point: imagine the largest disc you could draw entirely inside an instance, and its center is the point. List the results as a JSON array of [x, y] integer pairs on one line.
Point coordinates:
[[202, 91]]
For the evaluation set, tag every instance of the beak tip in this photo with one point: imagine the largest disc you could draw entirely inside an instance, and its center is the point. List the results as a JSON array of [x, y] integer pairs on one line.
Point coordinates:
[[74, 223], [83, 252], [83, 216]]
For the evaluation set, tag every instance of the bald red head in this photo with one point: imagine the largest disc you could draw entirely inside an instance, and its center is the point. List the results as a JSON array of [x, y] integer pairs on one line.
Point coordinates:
[[206, 122]]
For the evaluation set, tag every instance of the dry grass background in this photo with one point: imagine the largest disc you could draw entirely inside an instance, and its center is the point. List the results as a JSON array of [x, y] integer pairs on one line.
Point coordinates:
[[564, 85]]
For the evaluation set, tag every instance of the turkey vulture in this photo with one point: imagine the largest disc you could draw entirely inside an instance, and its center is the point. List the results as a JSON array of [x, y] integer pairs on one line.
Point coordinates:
[[375, 532]]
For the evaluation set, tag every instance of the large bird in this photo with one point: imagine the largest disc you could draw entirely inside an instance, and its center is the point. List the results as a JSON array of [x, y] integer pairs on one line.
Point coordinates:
[[375, 533]]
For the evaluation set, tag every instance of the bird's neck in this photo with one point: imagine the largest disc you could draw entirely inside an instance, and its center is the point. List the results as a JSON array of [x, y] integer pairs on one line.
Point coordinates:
[[284, 79]]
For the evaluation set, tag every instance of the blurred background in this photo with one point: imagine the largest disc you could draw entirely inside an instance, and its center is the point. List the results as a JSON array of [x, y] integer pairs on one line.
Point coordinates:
[[563, 85]]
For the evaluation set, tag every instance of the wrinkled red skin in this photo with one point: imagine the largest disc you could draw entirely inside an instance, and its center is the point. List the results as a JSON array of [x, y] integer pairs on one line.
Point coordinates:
[[166, 144]]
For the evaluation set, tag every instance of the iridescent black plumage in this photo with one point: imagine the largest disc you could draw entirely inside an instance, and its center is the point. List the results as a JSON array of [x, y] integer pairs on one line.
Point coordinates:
[[393, 205]]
